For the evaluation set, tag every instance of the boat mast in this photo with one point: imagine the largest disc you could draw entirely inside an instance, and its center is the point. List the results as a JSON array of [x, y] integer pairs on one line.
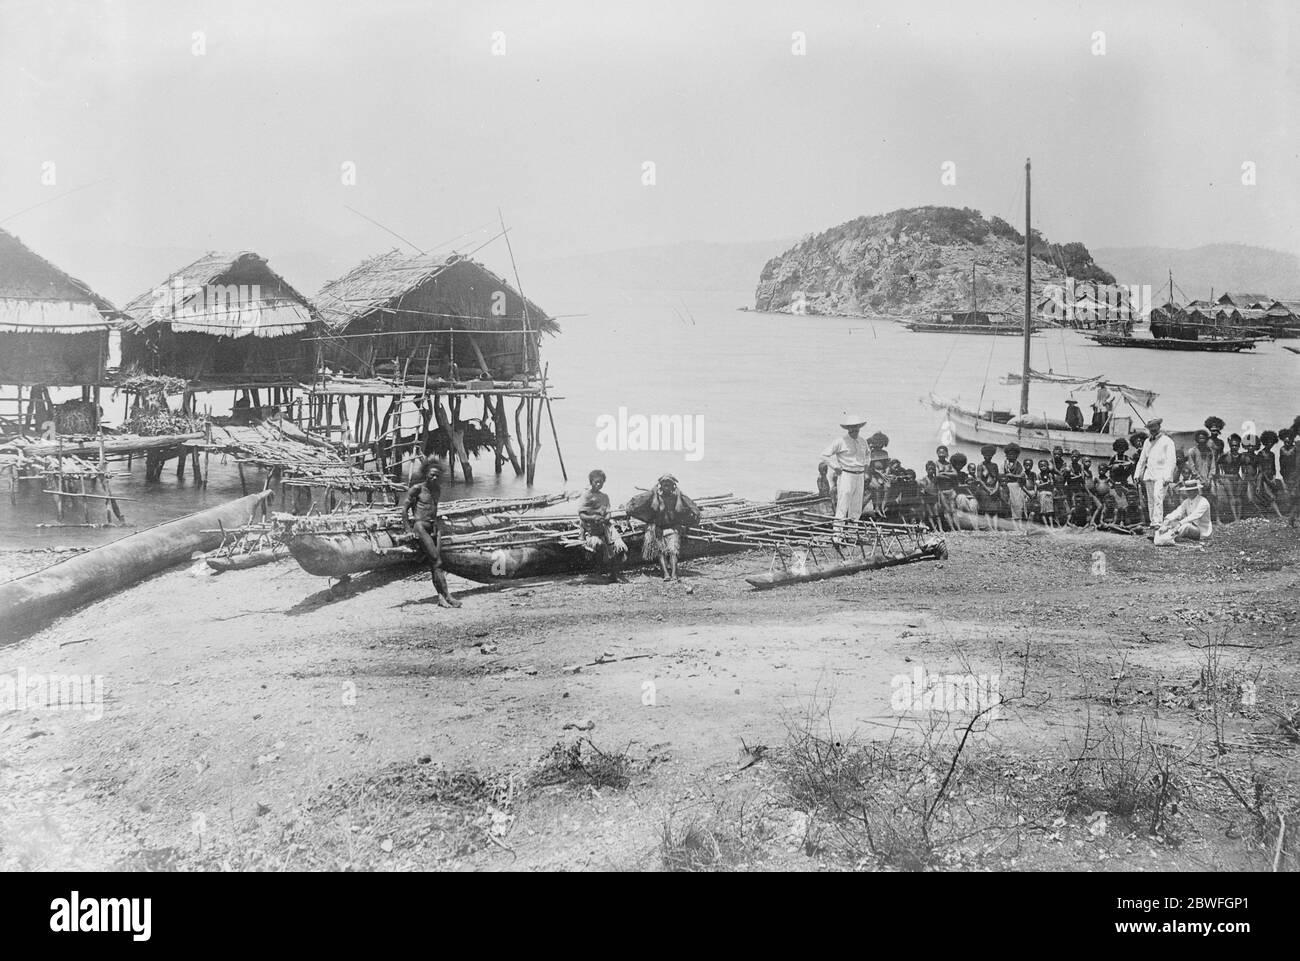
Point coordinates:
[[1024, 373], [974, 296]]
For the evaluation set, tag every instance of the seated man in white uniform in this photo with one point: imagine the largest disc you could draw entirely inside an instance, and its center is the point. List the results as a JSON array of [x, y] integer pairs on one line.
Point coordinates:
[[848, 456], [1189, 521]]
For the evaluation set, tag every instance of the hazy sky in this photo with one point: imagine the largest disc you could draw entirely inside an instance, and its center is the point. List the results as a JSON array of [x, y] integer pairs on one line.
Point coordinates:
[[162, 148]]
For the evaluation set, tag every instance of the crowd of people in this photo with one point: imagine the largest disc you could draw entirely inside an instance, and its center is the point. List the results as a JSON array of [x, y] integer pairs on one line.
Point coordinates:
[[1147, 485]]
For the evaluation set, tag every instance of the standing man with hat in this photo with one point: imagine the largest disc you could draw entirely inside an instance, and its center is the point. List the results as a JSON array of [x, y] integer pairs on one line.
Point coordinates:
[[848, 456], [1189, 521], [1155, 469]]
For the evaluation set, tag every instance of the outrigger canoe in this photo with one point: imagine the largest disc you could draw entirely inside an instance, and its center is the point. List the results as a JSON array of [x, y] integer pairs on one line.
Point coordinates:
[[333, 545], [541, 550]]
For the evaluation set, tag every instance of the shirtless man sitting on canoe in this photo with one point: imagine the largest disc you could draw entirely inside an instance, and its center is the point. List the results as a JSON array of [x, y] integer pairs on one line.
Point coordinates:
[[419, 511]]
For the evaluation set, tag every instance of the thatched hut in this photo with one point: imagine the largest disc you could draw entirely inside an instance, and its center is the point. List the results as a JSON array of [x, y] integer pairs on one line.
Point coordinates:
[[1244, 301], [225, 321], [53, 328], [429, 329], [54, 332], [1284, 318], [400, 315]]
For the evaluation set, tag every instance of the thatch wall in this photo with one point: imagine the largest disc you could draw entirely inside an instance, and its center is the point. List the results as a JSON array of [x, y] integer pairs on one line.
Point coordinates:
[[53, 328], [53, 359]]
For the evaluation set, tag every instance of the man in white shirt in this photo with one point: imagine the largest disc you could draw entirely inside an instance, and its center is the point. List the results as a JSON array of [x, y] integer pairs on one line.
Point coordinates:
[[848, 457], [1155, 469], [1189, 521]]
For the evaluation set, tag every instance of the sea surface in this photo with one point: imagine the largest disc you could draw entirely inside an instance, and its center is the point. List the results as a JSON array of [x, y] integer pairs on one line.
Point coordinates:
[[768, 391]]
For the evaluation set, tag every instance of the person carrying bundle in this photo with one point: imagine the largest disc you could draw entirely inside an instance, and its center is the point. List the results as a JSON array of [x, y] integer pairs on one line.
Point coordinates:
[[667, 514]]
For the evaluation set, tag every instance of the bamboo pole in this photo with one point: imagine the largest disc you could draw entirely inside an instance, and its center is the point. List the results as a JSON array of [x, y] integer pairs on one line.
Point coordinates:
[[556, 437], [75, 494]]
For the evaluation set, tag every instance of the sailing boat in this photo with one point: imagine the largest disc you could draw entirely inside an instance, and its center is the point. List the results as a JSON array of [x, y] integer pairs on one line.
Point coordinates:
[[973, 321], [1197, 329], [1040, 434]]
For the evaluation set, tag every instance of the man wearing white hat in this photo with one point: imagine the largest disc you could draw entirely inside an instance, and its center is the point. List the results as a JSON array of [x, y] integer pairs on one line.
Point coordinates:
[[848, 456], [1189, 521], [1155, 469]]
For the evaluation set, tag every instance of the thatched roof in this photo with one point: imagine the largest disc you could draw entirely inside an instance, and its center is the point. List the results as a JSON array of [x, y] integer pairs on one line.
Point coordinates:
[[1244, 300], [383, 280], [214, 295], [37, 297]]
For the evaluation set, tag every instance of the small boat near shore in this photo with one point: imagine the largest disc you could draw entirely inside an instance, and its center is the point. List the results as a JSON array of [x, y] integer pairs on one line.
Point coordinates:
[[1211, 344], [1039, 435], [967, 322]]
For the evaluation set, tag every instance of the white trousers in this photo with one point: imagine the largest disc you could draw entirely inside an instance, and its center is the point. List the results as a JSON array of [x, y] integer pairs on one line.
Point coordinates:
[[1155, 499], [849, 502]]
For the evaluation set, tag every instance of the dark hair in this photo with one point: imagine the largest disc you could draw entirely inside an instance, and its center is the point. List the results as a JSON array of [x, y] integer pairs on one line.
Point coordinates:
[[596, 473], [1232, 437], [1214, 423], [1268, 438], [1120, 445]]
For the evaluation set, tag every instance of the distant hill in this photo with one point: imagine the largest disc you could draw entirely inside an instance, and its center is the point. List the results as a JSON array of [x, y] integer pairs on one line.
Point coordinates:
[[916, 261], [684, 266], [1218, 266]]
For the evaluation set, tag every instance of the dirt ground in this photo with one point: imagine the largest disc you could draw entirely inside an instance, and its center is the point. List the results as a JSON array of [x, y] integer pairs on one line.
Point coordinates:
[[254, 720]]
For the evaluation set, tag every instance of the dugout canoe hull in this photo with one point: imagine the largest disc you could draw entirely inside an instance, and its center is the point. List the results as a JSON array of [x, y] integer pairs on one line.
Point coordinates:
[[31, 602], [344, 554], [487, 565], [936, 551]]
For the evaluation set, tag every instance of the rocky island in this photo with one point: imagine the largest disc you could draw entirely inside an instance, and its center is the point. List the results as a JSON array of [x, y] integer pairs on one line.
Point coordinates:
[[915, 262]]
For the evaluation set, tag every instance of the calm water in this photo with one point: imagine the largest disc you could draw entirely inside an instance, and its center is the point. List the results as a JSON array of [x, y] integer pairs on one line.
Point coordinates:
[[770, 390]]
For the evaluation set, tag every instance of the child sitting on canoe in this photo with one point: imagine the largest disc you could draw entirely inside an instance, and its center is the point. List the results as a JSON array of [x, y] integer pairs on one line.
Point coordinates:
[[599, 536]]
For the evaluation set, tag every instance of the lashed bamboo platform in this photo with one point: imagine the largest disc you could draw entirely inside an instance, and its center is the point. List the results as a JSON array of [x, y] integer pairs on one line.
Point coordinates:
[[69, 478]]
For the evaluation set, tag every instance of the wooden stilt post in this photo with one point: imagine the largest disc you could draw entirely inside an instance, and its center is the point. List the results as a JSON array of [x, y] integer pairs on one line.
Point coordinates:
[[522, 467], [530, 455]]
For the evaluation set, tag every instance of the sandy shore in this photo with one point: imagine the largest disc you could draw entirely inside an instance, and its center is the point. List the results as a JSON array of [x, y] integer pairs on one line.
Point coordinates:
[[255, 720]]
